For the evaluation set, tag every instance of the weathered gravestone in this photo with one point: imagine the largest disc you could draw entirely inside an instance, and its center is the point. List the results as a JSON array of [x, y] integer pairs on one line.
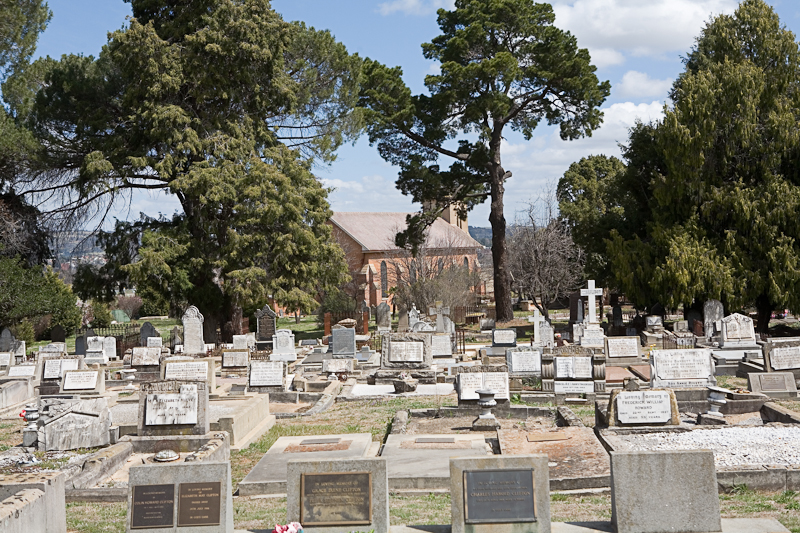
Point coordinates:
[[57, 334], [678, 369], [441, 345], [502, 494], [175, 338], [266, 326], [524, 361], [154, 342], [469, 380], [343, 343], [180, 497], [402, 320], [6, 340], [337, 366], [193, 331], [643, 408], [179, 368], [235, 360], [712, 315], [283, 346], [547, 335], [146, 331], [53, 367], [96, 350], [173, 408], [413, 316], [782, 357], [383, 317], [70, 424], [406, 351], [658, 491], [80, 345], [145, 357], [737, 331], [570, 371], [338, 495], [25, 370], [240, 342], [773, 384], [266, 376], [6, 360]]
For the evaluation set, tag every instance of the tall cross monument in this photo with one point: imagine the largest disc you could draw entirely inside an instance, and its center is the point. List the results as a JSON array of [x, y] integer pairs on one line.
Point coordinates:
[[592, 293]]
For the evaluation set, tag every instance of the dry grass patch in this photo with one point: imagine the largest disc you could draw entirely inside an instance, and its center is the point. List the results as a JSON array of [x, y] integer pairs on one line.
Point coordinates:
[[569, 508], [10, 433], [258, 513], [83, 517]]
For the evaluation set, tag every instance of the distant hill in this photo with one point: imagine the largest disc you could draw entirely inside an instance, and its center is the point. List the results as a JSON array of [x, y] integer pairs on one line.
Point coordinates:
[[482, 235]]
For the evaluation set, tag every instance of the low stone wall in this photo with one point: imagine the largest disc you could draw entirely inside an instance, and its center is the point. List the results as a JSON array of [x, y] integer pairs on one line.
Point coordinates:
[[25, 512], [244, 420], [43, 496]]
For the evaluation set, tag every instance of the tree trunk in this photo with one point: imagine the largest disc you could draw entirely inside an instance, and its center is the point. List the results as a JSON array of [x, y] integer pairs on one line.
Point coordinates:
[[502, 286], [764, 309]]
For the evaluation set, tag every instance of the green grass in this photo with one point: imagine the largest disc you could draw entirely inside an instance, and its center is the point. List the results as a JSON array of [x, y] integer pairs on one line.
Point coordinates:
[[96, 517], [307, 328]]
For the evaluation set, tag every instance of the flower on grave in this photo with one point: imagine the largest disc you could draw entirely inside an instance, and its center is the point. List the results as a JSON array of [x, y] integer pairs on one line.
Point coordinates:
[[291, 527], [404, 376]]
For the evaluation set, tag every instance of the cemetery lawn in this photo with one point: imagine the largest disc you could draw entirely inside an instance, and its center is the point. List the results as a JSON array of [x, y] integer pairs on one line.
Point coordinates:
[[308, 328], [10, 433], [789, 404], [731, 382], [373, 417]]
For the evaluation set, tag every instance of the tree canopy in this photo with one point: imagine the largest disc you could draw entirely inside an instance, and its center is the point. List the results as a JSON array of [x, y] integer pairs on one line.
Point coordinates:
[[717, 179], [226, 106], [503, 65]]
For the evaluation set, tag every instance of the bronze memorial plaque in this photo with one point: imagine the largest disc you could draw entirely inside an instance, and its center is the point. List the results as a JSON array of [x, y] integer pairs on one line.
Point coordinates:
[[336, 499], [199, 504], [153, 506], [498, 496]]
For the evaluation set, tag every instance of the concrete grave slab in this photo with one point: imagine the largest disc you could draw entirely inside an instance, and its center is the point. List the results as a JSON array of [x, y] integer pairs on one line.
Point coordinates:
[[415, 464], [615, 374], [577, 459], [52, 484], [269, 474]]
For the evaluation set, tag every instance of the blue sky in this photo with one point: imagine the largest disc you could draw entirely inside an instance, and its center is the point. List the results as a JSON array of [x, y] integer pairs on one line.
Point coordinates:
[[636, 44]]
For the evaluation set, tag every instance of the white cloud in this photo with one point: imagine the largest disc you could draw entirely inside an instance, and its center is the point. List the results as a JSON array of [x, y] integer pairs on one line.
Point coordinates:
[[639, 85], [605, 57], [414, 7], [370, 193], [636, 27]]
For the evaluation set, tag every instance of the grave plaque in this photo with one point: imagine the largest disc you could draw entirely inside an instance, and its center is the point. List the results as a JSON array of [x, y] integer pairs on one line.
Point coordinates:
[[576, 367], [644, 407], [153, 506], [336, 499], [55, 368], [344, 341], [21, 371], [5, 358], [471, 382], [592, 336], [154, 342], [172, 409], [266, 373], [525, 362], [773, 384], [785, 358], [498, 496], [234, 359], [240, 342], [441, 346], [199, 504], [573, 387], [80, 380], [504, 337], [186, 370], [411, 352], [619, 347], [337, 365]]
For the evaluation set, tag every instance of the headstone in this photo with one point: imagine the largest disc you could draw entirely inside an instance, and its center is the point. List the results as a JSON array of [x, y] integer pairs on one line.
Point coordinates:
[[141, 356], [471, 382], [283, 346], [402, 320], [616, 316], [54, 365], [57, 334], [440, 311], [186, 370], [110, 347], [504, 338], [232, 359], [6, 340], [692, 316], [180, 496], [406, 351], [773, 384], [681, 326], [6, 360], [782, 357], [413, 316], [95, 350], [547, 335], [71, 424], [95, 344], [240, 342], [328, 496], [643, 408], [654, 323], [737, 330], [338, 365], [537, 320], [622, 350], [487, 324], [146, 331], [524, 361], [80, 345], [422, 326], [657, 491], [25, 370], [83, 382], [570, 370], [54, 347], [344, 343], [441, 345], [173, 408], [677, 369], [384, 316], [193, 331], [592, 336], [500, 494], [175, 338], [154, 342], [712, 313], [267, 374]]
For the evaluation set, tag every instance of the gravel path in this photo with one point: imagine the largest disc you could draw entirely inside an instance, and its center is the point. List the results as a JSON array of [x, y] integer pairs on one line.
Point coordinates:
[[731, 446]]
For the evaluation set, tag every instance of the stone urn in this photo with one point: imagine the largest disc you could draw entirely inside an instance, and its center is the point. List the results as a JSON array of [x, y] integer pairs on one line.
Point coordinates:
[[405, 385]]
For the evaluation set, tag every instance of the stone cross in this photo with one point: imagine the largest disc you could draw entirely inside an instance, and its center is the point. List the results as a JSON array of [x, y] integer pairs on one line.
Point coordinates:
[[439, 311], [537, 320], [592, 292]]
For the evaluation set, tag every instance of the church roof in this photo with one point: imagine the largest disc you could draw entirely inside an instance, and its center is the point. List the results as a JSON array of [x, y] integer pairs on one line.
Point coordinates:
[[376, 231]]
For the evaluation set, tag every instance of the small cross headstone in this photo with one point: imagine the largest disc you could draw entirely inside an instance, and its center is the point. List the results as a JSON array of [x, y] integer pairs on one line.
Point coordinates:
[[592, 292], [537, 320], [440, 312]]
